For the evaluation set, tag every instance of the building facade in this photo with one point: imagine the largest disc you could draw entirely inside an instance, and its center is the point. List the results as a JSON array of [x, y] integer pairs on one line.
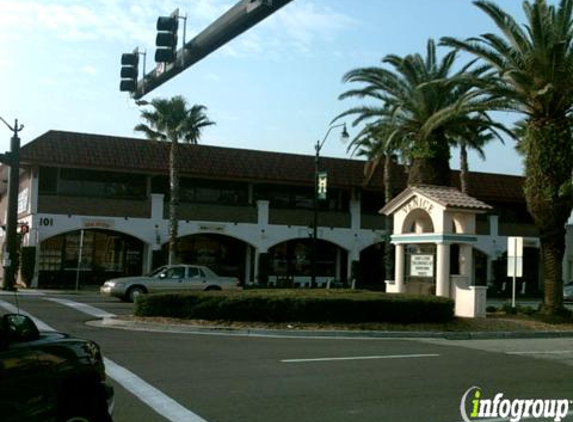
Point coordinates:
[[97, 207]]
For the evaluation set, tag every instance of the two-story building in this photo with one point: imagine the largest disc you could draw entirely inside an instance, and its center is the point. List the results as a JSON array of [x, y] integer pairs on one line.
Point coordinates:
[[97, 207]]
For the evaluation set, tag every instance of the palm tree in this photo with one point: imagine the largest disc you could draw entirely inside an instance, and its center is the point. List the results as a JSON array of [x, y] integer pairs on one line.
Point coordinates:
[[173, 121], [474, 136], [534, 65], [422, 99]]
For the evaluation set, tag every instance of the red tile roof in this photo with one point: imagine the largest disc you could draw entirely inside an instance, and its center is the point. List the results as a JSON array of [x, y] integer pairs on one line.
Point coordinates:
[[448, 197], [72, 149]]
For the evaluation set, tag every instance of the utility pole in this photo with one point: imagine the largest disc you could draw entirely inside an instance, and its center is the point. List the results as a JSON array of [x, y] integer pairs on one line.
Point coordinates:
[[12, 159]]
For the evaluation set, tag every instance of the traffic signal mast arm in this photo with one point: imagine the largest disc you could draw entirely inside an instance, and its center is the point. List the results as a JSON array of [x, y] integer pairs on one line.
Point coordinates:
[[241, 17]]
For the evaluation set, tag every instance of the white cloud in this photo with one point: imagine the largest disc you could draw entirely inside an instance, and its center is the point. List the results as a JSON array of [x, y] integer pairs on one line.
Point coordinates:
[[305, 22], [90, 70], [213, 77], [300, 26]]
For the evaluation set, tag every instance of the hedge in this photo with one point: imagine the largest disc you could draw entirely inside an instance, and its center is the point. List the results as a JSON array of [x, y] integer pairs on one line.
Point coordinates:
[[335, 306]]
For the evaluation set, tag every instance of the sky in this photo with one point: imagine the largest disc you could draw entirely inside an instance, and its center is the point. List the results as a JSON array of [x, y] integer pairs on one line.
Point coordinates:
[[275, 87]]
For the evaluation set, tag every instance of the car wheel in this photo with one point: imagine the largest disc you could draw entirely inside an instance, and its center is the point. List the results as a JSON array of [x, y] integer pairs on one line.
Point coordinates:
[[212, 288], [134, 292], [87, 408]]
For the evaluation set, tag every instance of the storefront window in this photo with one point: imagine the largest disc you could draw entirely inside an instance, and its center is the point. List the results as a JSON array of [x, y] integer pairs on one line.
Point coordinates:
[[223, 254], [297, 197], [104, 254], [92, 183], [209, 192], [294, 258]]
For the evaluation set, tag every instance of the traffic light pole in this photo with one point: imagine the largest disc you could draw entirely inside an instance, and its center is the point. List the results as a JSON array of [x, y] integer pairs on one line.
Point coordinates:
[[244, 15], [13, 160]]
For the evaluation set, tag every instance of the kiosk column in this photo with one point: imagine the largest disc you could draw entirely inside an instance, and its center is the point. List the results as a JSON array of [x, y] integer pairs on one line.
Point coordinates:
[[399, 268], [443, 270]]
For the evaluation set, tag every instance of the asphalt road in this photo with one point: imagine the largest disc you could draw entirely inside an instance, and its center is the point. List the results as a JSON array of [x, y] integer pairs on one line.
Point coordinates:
[[219, 378]]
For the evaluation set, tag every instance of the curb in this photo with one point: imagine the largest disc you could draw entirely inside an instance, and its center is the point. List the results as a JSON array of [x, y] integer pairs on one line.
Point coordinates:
[[115, 323]]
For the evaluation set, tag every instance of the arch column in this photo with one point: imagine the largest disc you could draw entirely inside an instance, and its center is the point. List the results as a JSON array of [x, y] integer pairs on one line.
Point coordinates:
[[443, 270], [399, 268], [257, 253]]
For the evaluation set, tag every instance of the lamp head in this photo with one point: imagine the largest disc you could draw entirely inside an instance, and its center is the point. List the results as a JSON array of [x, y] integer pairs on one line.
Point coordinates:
[[344, 136]]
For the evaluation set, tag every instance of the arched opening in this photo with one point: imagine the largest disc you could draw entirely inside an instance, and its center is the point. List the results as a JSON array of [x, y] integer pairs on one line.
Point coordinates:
[[105, 254], [290, 262], [418, 221], [225, 255], [372, 267]]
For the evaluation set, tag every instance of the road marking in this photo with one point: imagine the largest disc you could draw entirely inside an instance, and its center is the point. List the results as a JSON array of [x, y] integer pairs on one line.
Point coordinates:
[[42, 326], [541, 352], [82, 307], [158, 401], [149, 395], [425, 355]]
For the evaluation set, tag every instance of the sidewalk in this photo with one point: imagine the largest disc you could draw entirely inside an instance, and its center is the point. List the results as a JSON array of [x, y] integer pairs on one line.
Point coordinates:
[[182, 328], [88, 290]]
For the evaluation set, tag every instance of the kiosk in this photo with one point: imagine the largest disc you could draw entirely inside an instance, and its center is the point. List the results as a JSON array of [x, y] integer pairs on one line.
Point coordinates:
[[434, 233]]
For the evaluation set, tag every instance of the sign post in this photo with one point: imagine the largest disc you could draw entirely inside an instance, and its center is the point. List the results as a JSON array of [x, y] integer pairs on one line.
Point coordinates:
[[514, 262]]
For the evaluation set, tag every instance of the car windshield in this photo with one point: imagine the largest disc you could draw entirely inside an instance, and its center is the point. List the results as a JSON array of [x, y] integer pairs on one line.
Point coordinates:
[[155, 272]]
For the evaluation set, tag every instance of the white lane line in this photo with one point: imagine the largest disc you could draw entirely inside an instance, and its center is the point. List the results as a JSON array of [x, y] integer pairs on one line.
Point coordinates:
[[411, 356], [82, 307], [541, 352], [149, 395]]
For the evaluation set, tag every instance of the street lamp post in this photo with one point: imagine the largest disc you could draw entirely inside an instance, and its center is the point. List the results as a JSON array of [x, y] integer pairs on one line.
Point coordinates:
[[318, 146], [13, 160]]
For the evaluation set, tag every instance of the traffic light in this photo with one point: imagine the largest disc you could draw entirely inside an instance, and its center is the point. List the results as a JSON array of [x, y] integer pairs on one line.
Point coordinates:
[[166, 40], [129, 71], [22, 228]]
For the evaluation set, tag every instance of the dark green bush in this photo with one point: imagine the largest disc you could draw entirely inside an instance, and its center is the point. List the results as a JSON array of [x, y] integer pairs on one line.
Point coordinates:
[[336, 306]]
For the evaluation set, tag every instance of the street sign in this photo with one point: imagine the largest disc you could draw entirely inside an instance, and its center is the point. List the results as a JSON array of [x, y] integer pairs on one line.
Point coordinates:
[[322, 185], [421, 265], [515, 256], [514, 262]]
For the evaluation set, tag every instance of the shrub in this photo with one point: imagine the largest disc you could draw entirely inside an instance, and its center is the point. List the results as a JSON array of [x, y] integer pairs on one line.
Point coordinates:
[[335, 306]]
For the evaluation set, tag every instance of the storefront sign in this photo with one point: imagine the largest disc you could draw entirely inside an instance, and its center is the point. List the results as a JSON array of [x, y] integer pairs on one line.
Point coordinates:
[[422, 265], [98, 224], [23, 201], [212, 227]]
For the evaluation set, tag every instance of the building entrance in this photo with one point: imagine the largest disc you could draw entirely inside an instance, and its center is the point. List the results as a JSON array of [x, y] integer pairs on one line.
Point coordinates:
[[88, 257]]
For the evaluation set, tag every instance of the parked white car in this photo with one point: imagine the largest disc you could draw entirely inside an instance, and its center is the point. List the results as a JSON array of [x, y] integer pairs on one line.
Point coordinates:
[[168, 278]]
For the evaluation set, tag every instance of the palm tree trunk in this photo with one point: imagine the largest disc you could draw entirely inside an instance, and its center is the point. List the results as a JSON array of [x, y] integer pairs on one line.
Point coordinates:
[[464, 168], [431, 163], [548, 165], [173, 200]]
